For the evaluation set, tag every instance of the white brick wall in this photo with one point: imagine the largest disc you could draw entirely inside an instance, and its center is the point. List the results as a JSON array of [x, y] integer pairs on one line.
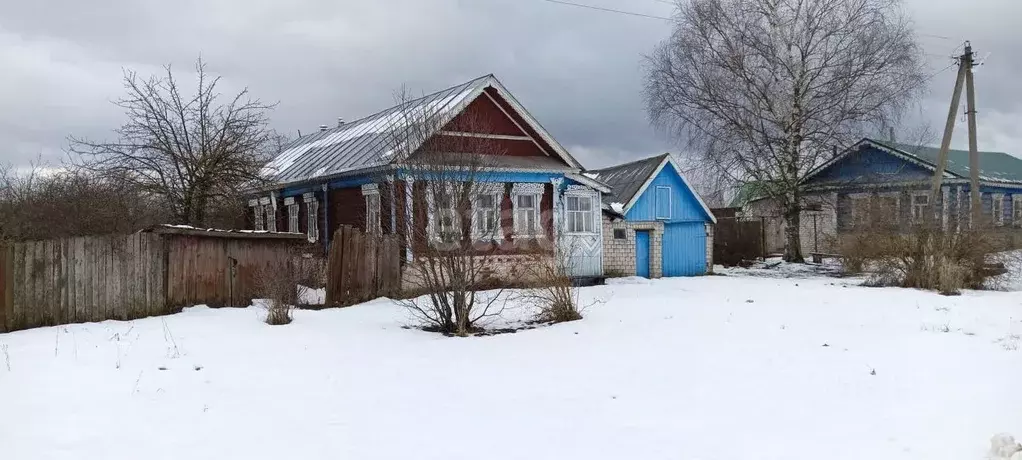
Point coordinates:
[[619, 255]]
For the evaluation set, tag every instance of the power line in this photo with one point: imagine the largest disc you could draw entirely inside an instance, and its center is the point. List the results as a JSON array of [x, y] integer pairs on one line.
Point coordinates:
[[609, 10]]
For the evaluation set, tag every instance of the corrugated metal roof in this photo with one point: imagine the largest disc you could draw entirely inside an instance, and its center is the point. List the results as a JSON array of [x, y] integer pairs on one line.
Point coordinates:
[[994, 166], [626, 179], [363, 143]]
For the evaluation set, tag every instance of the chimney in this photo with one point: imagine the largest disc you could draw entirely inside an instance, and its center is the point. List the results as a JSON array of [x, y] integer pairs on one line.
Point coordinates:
[[322, 127], [340, 121], [891, 135]]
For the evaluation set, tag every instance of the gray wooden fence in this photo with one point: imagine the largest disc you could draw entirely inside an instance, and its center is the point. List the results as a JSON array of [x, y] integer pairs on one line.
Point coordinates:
[[123, 277]]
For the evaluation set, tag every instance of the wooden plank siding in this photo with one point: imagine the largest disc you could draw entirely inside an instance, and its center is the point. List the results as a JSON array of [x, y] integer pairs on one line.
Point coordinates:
[[124, 277]]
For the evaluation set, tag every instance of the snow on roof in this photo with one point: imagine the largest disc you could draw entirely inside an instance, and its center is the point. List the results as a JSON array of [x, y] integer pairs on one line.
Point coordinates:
[[618, 207]]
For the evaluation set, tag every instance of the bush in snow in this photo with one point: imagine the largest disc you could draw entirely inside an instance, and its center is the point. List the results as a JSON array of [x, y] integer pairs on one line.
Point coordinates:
[[555, 298], [925, 257], [284, 284]]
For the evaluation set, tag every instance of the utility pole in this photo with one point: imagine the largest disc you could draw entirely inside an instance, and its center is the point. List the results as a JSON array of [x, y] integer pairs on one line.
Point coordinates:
[[970, 100], [965, 66]]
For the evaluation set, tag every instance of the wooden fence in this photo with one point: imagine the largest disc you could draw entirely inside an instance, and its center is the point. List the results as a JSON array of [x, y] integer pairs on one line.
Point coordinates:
[[154, 272], [736, 240], [361, 267]]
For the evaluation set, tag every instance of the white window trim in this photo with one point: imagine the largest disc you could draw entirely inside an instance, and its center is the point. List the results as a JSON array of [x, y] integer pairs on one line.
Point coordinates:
[[271, 215], [1016, 209], [496, 190], [374, 226], [432, 227], [997, 208], [656, 202], [312, 211], [578, 191], [527, 189], [912, 205], [257, 212], [292, 214]]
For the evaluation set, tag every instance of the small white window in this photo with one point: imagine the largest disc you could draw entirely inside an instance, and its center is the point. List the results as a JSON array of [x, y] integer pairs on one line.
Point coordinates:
[[444, 223], [1016, 209], [997, 208], [920, 207], [292, 217], [257, 211], [662, 204], [312, 226], [372, 196], [579, 213], [271, 218], [486, 216], [525, 200]]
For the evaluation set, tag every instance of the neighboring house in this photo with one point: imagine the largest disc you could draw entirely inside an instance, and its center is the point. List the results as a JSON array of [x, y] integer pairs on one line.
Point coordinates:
[[655, 224], [896, 178], [351, 175]]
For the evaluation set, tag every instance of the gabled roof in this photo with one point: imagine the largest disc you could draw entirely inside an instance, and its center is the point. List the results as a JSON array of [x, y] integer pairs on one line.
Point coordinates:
[[994, 166], [630, 180], [626, 179], [367, 143]]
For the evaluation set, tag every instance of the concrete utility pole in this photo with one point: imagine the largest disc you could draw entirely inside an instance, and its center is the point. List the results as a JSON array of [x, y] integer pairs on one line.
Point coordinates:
[[965, 66], [970, 101]]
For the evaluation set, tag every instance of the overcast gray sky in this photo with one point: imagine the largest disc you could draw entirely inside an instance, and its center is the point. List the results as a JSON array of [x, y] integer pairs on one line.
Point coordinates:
[[577, 70]]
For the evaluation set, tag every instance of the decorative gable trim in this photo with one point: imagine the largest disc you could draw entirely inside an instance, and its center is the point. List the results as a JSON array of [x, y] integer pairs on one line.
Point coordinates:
[[656, 172], [530, 120]]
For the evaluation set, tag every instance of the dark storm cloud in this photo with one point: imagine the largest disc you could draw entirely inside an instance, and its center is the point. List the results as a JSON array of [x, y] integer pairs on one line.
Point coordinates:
[[578, 71]]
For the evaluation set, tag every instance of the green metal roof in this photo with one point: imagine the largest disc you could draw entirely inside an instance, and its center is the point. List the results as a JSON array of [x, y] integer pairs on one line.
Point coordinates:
[[994, 166]]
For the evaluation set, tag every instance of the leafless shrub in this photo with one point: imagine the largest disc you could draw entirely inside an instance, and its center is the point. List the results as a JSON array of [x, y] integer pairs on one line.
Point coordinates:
[[7, 356], [923, 257], [555, 297], [286, 284]]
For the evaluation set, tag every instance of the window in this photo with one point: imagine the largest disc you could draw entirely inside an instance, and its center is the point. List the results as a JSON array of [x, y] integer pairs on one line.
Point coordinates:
[[860, 210], [579, 218], [1016, 209], [662, 202], [292, 216], [620, 234], [921, 208], [257, 211], [271, 218], [888, 209], [486, 216], [312, 206], [372, 196], [525, 201], [444, 223], [997, 208]]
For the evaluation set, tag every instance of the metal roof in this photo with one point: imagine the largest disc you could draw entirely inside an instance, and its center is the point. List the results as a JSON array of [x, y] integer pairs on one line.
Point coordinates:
[[626, 179], [994, 166], [369, 142], [363, 143]]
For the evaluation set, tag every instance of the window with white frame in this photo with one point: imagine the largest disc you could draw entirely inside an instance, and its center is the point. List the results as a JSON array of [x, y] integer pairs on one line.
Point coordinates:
[[444, 224], [997, 208], [1016, 209], [921, 207], [525, 199], [662, 202], [486, 212], [271, 218], [257, 215], [372, 197], [292, 214], [312, 214], [579, 215]]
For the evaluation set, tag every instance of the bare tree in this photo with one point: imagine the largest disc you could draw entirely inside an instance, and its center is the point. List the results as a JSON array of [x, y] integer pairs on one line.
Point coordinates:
[[766, 89], [457, 231], [194, 151]]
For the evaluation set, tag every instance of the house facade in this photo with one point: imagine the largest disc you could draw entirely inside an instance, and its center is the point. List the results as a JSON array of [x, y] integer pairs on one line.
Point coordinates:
[[887, 184], [381, 173], [654, 223]]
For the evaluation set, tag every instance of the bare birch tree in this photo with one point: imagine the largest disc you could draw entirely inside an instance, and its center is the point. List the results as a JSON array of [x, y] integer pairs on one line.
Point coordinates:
[[195, 150], [457, 231], [766, 89]]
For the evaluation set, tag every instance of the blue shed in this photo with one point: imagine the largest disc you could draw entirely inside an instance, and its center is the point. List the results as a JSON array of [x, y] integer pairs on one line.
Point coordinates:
[[656, 224]]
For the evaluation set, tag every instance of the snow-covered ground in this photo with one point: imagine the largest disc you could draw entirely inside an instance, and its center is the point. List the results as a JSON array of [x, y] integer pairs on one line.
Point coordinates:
[[717, 367]]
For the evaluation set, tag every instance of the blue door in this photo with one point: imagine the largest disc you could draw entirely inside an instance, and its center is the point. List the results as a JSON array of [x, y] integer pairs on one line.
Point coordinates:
[[684, 249], [642, 253]]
